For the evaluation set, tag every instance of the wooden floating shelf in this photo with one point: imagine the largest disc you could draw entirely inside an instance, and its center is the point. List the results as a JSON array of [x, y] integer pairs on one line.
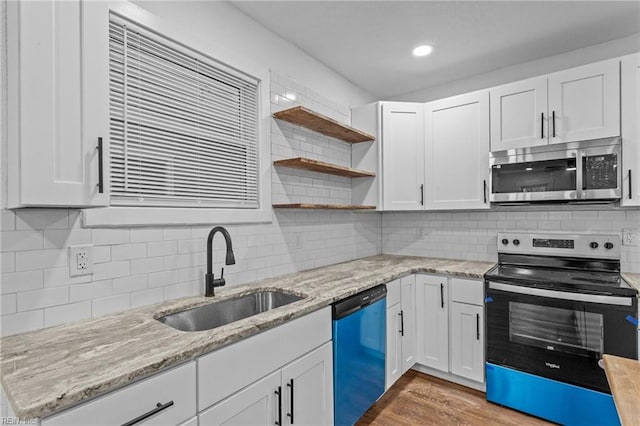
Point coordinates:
[[312, 120], [322, 167], [322, 206]]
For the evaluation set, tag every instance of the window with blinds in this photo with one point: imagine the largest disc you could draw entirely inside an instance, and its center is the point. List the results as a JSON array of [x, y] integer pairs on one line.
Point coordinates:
[[183, 128]]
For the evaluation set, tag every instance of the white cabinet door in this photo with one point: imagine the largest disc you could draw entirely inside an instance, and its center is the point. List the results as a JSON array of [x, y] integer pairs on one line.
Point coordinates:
[[307, 385], [467, 341], [393, 360], [432, 321], [58, 95], [457, 152], [174, 390], [585, 102], [631, 130], [408, 321], [402, 156], [519, 114], [257, 404]]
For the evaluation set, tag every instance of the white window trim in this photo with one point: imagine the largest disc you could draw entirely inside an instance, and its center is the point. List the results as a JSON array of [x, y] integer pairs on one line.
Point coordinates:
[[155, 216]]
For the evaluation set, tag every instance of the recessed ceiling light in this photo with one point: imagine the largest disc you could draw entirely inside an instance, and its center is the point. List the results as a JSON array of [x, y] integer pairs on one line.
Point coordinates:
[[423, 50]]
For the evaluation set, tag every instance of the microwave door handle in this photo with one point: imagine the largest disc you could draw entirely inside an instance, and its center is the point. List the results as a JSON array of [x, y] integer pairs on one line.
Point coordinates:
[[580, 190]]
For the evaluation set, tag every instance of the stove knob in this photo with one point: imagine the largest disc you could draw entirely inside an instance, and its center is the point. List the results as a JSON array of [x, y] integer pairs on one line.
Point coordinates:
[[505, 241], [593, 245], [516, 242], [608, 246]]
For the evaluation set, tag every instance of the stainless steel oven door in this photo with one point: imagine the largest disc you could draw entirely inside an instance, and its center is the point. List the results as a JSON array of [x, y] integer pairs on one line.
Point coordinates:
[[556, 334]]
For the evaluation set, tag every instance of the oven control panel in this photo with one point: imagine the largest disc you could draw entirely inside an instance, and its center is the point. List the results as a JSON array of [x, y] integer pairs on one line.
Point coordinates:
[[595, 246]]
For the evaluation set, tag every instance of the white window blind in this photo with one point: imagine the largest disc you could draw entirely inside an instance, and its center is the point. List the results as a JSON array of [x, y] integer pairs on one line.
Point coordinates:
[[183, 128]]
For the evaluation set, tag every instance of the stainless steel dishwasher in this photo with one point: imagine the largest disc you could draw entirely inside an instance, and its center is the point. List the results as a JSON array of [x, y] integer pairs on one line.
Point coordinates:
[[359, 341]]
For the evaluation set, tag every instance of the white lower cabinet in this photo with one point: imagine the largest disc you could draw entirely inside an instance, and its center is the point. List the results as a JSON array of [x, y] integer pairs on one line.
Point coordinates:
[[299, 393], [175, 390], [467, 341], [401, 326], [450, 313], [432, 321], [191, 422]]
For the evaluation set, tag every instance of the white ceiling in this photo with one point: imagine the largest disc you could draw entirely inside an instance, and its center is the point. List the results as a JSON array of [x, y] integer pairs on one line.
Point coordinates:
[[370, 42]]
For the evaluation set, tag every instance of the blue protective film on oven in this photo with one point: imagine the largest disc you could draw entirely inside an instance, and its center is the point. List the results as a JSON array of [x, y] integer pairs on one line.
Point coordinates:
[[632, 320], [549, 399]]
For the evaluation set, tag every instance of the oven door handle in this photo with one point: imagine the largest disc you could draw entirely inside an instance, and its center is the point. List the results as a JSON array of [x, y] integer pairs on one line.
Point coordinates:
[[554, 294]]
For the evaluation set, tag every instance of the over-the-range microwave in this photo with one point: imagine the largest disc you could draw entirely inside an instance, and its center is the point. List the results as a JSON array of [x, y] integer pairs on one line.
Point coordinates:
[[587, 170]]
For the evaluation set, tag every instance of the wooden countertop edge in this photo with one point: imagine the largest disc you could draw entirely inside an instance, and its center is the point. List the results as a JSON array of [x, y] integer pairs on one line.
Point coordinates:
[[623, 375]]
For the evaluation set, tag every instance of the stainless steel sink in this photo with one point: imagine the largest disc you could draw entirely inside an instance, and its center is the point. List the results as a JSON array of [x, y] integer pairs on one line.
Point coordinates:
[[227, 311]]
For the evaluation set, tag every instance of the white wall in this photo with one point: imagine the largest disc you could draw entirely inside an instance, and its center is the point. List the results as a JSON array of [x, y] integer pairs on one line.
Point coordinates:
[[139, 266], [538, 67]]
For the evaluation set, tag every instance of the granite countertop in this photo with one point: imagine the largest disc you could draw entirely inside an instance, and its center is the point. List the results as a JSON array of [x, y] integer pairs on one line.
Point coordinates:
[[623, 374], [632, 279], [55, 368]]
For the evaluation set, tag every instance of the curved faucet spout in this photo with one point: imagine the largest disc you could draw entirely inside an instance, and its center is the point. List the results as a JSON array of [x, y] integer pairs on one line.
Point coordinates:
[[209, 281]]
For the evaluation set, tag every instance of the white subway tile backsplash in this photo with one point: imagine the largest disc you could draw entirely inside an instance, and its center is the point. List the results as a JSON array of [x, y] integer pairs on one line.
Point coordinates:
[[60, 276], [130, 284], [150, 264], [105, 271], [128, 251], [164, 248], [37, 299], [21, 322], [147, 297], [67, 313], [62, 238], [110, 236], [92, 290], [179, 290], [21, 240], [7, 220], [144, 235], [164, 278], [41, 259], [181, 233], [21, 281], [8, 304], [42, 219], [101, 254], [111, 304], [7, 262]]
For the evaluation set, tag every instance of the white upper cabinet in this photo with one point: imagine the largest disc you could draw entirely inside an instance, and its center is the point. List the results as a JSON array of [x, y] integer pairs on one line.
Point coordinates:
[[581, 103], [584, 102], [457, 152], [402, 156], [58, 102], [631, 130], [518, 114]]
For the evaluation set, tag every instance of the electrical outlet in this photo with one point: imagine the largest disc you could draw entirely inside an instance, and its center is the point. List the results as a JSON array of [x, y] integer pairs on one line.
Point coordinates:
[[421, 233], [630, 237], [80, 260]]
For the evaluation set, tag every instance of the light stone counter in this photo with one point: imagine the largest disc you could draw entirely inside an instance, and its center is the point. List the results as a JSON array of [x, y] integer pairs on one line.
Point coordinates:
[[48, 370], [632, 279]]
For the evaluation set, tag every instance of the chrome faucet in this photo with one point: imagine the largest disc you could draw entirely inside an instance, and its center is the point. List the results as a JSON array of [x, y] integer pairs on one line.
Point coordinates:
[[209, 281]]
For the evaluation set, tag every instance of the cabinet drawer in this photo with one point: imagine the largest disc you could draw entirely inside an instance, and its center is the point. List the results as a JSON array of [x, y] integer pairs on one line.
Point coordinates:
[[467, 291], [177, 385], [229, 369], [393, 293]]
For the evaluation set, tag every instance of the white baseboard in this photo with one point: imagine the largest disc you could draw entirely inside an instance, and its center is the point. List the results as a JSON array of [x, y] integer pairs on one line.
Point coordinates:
[[450, 377]]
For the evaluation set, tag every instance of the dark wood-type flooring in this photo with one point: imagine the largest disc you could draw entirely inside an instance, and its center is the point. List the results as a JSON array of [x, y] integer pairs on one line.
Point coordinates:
[[419, 399]]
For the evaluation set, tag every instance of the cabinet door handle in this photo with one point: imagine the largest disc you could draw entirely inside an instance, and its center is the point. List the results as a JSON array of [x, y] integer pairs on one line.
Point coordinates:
[[442, 295], [422, 194], [401, 323], [484, 190], [290, 386], [630, 187], [477, 326], [100, 178], [279, 393], [553, 122], [159, 407], [542, 125]]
